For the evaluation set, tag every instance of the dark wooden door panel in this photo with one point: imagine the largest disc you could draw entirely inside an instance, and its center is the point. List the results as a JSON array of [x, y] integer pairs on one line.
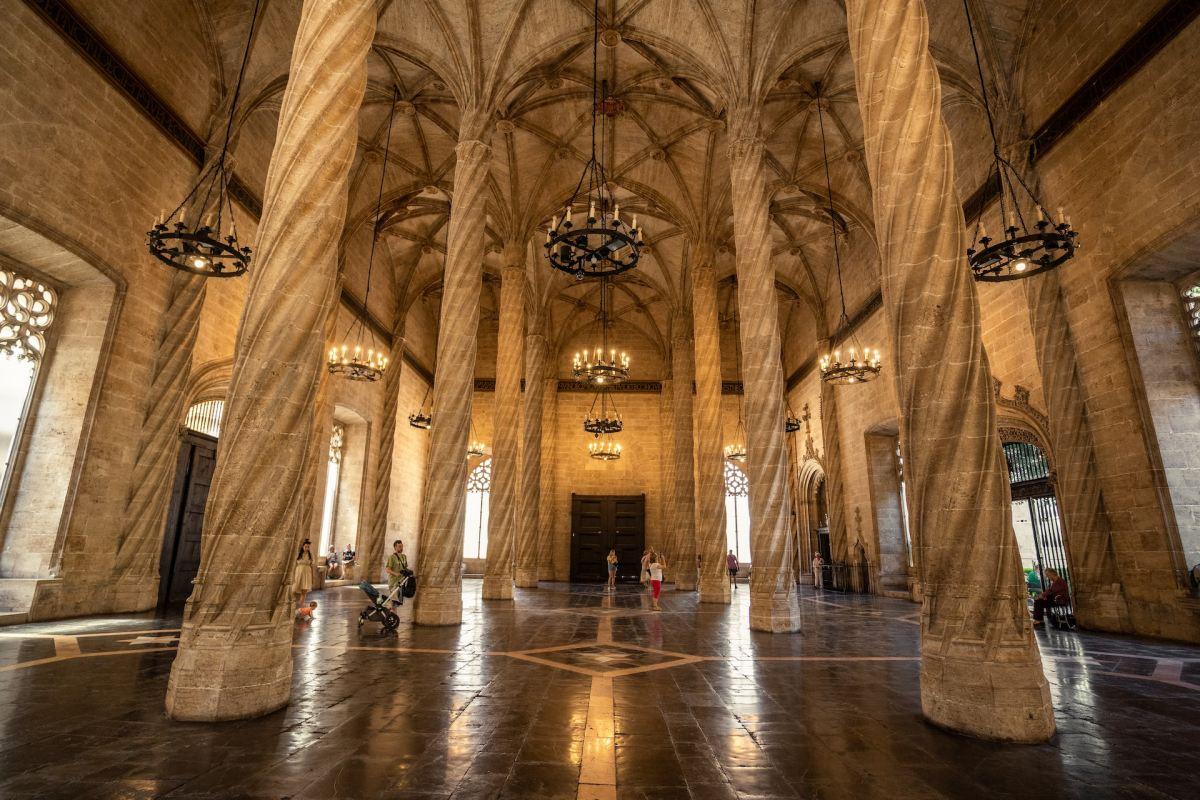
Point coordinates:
[[605, 522], [181, 541]]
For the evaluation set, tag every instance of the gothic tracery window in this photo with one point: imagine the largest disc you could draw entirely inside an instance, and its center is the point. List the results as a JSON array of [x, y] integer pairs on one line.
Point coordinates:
[[333, 475], [1191, 310], [479, 488], [737, 511], [27, 310]]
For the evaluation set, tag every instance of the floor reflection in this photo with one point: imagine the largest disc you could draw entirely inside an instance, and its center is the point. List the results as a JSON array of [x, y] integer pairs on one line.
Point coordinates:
[[573, 691]]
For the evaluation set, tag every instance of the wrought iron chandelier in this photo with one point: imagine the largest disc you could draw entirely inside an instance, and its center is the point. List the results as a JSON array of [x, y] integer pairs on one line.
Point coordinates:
[[1024, 247], [602, 365], [604, 448], [602, 244], [475, 448], [791, 423], [352, 360], [196, 247], [604, 422], [863, 364], [421, 418]]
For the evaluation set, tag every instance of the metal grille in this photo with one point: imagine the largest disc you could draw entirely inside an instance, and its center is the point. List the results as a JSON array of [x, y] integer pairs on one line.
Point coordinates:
[[1029, 472], [1026, 462], [206, 417]]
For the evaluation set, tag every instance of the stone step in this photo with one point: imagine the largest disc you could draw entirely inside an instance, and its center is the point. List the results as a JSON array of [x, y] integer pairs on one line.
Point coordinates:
[[16, 594], [13, 618]]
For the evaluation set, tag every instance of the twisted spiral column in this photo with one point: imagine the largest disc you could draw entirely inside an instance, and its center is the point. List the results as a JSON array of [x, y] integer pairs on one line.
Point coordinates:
[[710, 457], [980, 670], [529, 543], [684, 490], [504, 512], [235, 648], [370, 558], [546, 543], [832, 461], [1099, 597], [439, 602], [136, 572], [773, 584]]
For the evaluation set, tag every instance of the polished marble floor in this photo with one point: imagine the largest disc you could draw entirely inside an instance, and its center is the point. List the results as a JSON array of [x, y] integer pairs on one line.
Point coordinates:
[[573, 693]]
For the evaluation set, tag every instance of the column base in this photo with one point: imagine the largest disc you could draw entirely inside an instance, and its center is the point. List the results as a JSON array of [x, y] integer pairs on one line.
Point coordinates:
[[715, 591], [497, 587], [774, 613], [1007, 701], [526, 578], [220, 675], [134, 595], [438, 605], [1103, 609]]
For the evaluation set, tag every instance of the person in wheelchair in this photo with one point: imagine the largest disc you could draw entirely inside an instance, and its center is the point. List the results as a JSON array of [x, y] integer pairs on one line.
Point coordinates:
[[1056, 594]]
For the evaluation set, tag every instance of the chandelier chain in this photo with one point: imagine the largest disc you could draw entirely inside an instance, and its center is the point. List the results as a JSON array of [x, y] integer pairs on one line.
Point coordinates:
[[837, 258]]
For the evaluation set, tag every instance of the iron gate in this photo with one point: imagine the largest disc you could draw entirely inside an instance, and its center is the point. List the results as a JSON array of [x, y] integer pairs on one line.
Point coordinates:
[[1029, 474]]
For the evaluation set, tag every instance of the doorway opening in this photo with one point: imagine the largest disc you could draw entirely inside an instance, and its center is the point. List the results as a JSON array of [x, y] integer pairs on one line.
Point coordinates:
[[600, 523], [180, 558], [1035, 516]]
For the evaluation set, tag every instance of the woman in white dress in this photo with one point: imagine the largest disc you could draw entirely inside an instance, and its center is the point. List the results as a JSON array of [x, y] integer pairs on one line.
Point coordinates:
[[302, 572]]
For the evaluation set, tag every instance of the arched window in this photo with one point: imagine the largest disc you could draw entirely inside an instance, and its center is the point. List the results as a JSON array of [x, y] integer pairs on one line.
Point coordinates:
[[27, 308], [479, 488], [333, 475], [737, 511], [205, 417], [1191, 311]]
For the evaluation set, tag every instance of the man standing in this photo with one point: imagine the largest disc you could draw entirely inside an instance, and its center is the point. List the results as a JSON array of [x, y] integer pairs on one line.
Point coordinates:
[[397, 571], [731, 564]]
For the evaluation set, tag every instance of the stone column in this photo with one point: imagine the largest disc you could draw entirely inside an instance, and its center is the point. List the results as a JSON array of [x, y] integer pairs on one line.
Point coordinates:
[[136, 571], [773, 583], [710, 455], [529, 542], [370, 552], [235, 648], [1099, 598], [980, 670], [670, 534], [546, 528], [684, 494], [439, 601], [839, 545], [504, 514]]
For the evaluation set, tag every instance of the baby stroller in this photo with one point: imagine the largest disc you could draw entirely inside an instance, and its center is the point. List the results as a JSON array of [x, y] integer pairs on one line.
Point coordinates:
[[378, 610]]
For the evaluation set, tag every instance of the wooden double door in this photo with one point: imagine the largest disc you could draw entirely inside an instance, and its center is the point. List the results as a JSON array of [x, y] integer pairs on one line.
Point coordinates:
[[600, 523], [180, 560]]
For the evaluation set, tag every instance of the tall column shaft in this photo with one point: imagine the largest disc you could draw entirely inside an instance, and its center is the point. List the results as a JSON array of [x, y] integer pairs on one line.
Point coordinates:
[[439, 602], [504, 509], [773, 584], [529, 540], [136, 571], [684, 493], [710, 455], [831, 438], [235, 649], [1099, 598], [545, 538], [980, 669], [669, 541], [371, 550]]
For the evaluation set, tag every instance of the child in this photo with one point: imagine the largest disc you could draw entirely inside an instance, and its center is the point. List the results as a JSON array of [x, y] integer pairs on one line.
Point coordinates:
[[305, 613], [657, 563]]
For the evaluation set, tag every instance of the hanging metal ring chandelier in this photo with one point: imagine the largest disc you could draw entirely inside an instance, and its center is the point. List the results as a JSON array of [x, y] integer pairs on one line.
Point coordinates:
[[200, 248], [604, 449], [833, 369], [1024, 248], [601, 366], [603, 245], [421, 418], [603, 423]]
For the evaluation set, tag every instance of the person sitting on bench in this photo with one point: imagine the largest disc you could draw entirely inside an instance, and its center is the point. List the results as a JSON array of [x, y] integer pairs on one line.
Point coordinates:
[[1056, 594]]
